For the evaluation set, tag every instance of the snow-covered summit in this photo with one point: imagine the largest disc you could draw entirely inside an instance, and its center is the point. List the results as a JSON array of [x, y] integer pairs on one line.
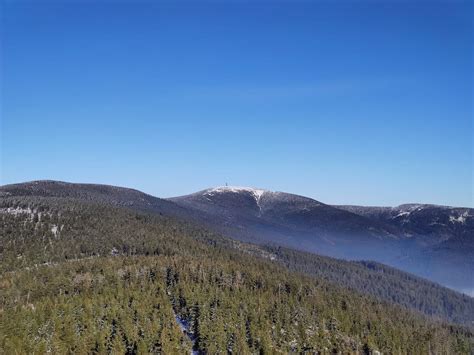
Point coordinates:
[[257, 193]]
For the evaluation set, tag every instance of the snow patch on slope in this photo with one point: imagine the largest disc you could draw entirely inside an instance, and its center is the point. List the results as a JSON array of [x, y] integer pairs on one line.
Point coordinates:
[[401, 214], [459, 219], [405, 211], [17, 211], [55, 230], [186, 329]]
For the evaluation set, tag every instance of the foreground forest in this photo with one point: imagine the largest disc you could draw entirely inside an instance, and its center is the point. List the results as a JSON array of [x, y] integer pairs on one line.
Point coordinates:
[[82, 277]]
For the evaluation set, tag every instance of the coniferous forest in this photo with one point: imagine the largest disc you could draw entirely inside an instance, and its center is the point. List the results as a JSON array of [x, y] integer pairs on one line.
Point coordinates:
[[84, 277]]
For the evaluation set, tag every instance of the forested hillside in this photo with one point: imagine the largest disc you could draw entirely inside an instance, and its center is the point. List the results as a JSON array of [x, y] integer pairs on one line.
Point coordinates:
[[88, 278], [383, 282]]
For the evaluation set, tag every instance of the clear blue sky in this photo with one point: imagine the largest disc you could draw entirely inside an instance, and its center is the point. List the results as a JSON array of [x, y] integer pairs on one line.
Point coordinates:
[[347, 102]]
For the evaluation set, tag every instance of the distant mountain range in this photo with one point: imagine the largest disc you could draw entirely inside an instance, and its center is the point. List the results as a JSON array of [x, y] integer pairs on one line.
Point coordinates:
[[436, 242]]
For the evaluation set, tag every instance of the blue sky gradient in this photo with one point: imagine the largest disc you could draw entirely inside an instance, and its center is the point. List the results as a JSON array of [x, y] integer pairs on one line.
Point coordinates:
[[347, 102]]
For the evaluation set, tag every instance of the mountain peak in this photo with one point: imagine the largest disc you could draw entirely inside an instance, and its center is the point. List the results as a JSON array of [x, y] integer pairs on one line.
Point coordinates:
[[257, 193]]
